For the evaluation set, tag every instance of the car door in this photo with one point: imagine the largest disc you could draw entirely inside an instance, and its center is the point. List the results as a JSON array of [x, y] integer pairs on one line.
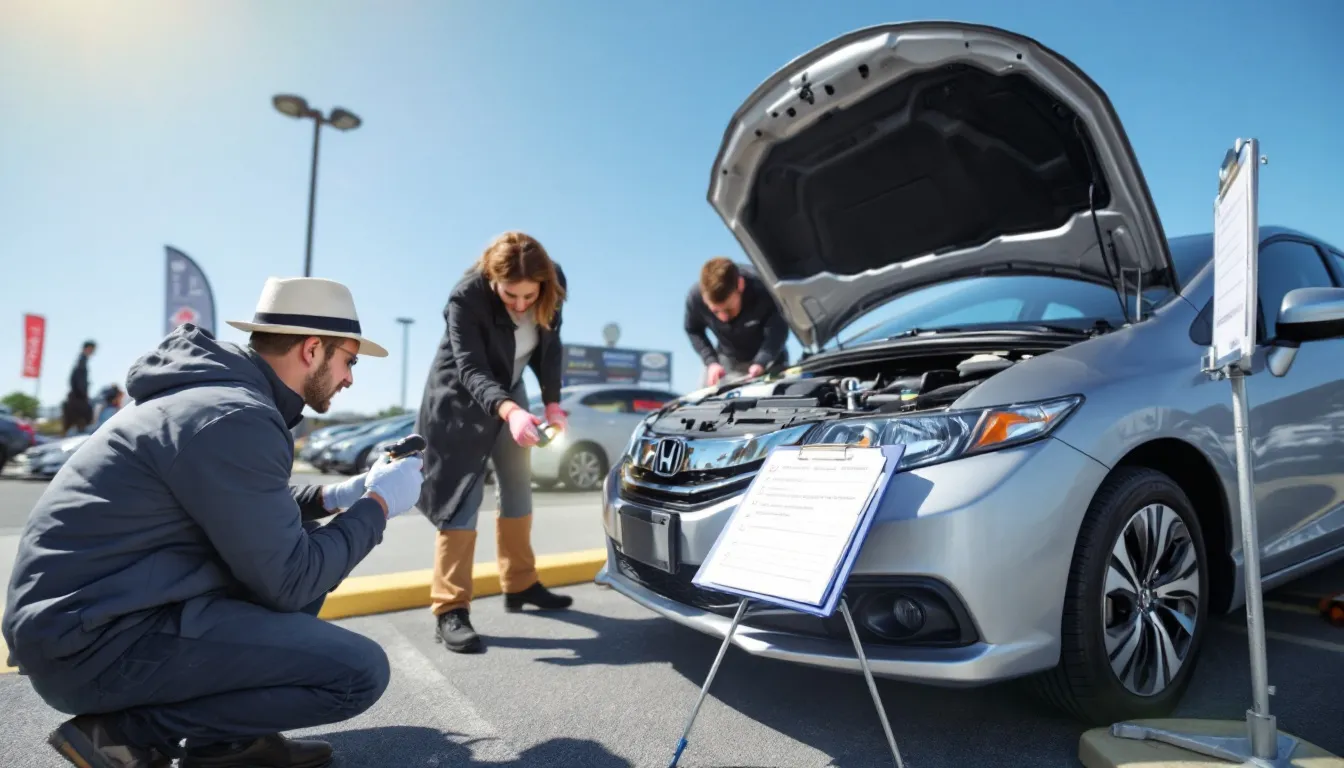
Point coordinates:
[[1297, 422]]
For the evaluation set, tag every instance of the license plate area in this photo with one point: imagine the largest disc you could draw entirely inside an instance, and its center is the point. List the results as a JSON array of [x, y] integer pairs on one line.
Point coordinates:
[[649, 537]]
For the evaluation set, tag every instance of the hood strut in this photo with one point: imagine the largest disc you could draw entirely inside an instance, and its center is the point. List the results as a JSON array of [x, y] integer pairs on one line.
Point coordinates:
[[1105, 245]]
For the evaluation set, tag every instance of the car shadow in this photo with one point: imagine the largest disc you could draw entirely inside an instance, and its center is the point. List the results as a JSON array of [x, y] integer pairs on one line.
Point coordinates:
[[930, 724], [403, 746]]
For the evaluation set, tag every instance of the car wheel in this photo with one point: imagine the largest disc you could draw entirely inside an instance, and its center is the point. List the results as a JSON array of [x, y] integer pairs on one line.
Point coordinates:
[[583, 468], [1136, 605], [4, 457]]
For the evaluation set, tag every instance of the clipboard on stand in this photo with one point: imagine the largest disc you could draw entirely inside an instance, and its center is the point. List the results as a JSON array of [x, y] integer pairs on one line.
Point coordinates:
[[793, 541]]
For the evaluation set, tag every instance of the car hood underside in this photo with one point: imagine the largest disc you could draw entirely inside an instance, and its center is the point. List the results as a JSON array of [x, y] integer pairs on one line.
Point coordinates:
[[911, 154]]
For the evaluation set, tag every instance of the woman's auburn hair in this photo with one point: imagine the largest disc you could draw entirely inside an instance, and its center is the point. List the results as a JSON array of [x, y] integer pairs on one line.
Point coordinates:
[[515, 256]]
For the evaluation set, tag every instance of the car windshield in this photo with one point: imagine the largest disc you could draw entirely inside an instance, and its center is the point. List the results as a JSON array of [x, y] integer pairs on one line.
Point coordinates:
[[1002, 300]]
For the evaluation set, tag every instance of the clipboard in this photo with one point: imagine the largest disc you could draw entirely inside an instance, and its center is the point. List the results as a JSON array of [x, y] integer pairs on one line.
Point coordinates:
[[832, 596], [856, 536]]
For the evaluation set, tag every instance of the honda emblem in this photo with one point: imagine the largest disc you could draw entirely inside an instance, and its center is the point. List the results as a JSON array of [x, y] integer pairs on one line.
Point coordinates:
[[669, 456]]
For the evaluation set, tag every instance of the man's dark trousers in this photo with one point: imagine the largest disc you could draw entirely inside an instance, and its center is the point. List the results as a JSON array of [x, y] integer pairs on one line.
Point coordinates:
[[240, 671]]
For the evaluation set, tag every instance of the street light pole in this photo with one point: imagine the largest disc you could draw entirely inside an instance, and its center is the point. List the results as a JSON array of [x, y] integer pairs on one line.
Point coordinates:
[[405, 354], [342, 120], [312, 199]]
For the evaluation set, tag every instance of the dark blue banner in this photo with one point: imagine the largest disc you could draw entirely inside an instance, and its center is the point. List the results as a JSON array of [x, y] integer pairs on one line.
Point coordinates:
[[188, 297], [614, 365]]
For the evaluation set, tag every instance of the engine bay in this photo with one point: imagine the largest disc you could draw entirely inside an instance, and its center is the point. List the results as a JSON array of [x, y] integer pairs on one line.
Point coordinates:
[[928, 382]]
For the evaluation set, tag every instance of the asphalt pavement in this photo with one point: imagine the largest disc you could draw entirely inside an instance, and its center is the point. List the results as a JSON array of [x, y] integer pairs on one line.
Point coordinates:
[[563, 521], [609, 685]]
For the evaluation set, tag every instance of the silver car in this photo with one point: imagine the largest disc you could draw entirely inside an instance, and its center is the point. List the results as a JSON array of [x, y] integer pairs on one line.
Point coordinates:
[[601, 418], [1065, 507]]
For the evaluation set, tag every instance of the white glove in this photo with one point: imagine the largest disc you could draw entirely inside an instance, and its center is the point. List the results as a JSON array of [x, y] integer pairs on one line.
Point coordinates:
[[398, 481], [341, 495]]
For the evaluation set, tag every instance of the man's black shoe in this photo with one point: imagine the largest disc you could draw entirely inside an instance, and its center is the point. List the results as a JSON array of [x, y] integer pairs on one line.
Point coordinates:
[[539, 596], [84, 741], [454, 630], [273, 751]]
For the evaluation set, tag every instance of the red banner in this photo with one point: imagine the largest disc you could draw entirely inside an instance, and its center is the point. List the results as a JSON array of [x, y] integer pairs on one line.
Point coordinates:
[[34, 335]]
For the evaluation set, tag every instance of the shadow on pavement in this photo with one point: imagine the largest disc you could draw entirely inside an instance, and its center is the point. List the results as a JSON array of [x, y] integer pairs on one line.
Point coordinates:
[[832, 712], [823, 709], [402, 746]]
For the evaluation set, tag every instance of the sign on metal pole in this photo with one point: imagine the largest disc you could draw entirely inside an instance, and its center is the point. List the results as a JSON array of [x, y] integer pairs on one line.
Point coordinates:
[[1235, 253]]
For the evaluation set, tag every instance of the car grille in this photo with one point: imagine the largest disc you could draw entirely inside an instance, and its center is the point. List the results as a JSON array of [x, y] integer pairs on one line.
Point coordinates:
[[687, 490], [677, 586]]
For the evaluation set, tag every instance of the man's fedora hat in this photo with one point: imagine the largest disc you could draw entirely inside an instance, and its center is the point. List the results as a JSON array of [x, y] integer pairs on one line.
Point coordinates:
[[308, 306]]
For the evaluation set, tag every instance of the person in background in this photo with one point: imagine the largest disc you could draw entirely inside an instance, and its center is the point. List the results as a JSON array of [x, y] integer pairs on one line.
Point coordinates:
[[109, 402], [733, 302], [168, 581], [502, 317], [77, 411]]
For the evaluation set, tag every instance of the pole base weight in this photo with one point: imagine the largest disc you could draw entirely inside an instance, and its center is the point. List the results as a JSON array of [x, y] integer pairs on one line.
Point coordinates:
[[1180, 742]]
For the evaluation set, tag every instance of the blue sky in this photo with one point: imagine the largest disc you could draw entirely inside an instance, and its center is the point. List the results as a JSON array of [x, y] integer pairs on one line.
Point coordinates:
[[590, 124]]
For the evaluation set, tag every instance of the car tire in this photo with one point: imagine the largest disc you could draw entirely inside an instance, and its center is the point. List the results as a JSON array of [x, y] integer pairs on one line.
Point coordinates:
[[583, 467], [4, 457], [1109, 629]]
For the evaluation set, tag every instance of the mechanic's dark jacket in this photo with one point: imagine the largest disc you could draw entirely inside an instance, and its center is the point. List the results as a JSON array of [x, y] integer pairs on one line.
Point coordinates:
[[175, 502], [468, 381], [756, 335]]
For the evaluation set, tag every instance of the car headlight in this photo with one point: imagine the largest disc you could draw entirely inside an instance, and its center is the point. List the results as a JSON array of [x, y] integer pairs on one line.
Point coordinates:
[[931, 438], [343, 445]]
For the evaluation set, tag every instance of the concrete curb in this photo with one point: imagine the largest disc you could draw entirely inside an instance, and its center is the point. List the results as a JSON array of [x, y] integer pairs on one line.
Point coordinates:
[[384, 593]]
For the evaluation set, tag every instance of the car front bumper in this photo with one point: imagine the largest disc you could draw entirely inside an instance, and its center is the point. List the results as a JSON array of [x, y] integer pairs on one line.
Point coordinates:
[[992, 534]]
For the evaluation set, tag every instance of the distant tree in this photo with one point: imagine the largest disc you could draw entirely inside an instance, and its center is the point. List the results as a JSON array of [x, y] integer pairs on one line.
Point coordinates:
[[390, 411], [22, 404]]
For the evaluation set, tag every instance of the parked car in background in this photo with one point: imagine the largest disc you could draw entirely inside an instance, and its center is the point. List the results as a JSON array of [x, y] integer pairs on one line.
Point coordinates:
[[347, 453], [320, 439], [15, 438], [46, 459], [1066, 506], [601, 419]]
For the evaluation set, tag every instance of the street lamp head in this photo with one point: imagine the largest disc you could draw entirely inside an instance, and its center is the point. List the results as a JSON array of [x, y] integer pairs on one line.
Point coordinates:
[[343, 119], [294, 106], [405, 320]]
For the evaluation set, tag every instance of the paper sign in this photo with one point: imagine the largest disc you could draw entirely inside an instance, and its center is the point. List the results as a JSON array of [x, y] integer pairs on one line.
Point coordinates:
[[1235, 245], [793, 535]]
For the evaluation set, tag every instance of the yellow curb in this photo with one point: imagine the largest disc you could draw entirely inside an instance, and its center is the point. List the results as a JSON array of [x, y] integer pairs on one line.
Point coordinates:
[[384, 593]]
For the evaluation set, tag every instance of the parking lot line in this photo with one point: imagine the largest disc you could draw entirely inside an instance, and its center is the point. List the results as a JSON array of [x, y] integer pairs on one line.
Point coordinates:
[[1290, 608], [1309, 642]]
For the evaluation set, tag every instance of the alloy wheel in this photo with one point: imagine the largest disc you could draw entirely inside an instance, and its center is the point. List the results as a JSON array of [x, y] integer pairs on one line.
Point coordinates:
[[1151, 600], [584, 470]]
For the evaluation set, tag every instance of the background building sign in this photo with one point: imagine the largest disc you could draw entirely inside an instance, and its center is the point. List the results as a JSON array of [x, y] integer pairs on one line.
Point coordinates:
[[586, 364], [188, 298], [34, 337]]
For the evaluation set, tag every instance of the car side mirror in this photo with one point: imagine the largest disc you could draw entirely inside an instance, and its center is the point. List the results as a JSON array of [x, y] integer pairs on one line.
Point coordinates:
[[1306, 314]]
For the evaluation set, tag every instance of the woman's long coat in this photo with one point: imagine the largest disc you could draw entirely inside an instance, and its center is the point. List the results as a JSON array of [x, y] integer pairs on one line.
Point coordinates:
[[471, 376]]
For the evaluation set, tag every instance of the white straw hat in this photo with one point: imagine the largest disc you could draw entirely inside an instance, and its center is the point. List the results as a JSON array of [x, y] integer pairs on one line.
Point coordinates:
[[311, 306]]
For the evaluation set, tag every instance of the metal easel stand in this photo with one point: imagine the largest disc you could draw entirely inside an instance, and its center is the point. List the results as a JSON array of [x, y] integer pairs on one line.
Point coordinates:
[[858, 649], [1263, 746]]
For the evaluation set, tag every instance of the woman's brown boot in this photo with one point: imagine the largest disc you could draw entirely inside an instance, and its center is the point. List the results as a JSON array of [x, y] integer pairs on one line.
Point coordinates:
[[451, 591], [518, 568]]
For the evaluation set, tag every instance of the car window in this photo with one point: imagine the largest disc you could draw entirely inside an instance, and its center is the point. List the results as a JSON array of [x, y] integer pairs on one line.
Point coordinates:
[[607, 402], [1285, 265], [991, 300], [648, 400], [1189, 254], [1338, 258]]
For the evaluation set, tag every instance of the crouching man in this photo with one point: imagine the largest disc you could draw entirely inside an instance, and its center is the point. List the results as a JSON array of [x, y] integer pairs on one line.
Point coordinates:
[[168, 581]]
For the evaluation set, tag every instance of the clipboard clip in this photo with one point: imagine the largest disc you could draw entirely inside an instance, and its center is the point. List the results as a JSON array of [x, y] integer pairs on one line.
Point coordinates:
[[826, 451]]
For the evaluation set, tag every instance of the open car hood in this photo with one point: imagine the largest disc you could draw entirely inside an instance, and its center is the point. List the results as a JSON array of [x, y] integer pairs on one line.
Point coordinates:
[[904, 155]]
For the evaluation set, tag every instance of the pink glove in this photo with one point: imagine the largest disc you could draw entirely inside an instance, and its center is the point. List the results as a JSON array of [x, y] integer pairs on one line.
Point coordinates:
[[523, 427], [555, 416]]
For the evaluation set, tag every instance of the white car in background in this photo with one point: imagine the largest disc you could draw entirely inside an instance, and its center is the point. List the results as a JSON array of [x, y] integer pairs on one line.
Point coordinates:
[[602, 417]]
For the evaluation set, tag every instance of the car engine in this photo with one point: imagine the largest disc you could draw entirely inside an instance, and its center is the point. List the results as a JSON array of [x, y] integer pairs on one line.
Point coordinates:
[[930, 382]]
